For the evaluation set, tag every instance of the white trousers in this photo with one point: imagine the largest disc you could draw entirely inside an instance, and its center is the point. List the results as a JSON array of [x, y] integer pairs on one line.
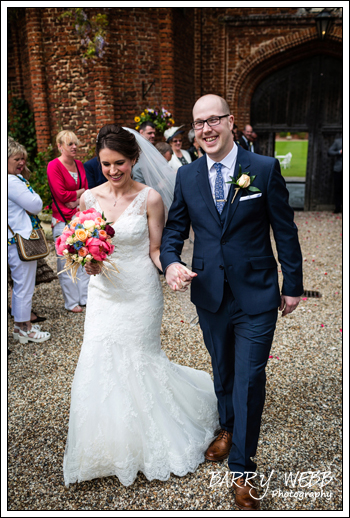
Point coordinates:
[[23, 276], [74, 294]]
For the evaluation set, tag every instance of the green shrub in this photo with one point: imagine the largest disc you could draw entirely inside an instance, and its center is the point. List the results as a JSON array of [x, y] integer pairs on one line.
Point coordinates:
[[38, 177], [21, 126], [283, 134]]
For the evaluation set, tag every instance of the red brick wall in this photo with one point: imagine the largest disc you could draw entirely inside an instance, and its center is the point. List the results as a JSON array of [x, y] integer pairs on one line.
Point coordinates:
[[184, 84], [70, 84], [236, 48], [188, 52]]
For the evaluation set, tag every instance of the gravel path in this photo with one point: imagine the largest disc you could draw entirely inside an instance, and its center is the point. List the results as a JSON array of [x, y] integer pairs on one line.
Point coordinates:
[[301, 425]]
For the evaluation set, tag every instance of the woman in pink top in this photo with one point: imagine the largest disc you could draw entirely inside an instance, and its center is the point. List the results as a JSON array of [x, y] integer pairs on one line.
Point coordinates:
[[67, 181]]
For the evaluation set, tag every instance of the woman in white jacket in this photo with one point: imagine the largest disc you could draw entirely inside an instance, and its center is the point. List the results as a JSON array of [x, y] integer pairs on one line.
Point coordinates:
[[180, 156], [22, 201]]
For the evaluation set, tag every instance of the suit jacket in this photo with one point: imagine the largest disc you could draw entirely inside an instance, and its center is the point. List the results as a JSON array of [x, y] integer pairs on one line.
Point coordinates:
[[334, 150], [137, 174], [243, 142], [256, 148], [94, 173], [239, 247]]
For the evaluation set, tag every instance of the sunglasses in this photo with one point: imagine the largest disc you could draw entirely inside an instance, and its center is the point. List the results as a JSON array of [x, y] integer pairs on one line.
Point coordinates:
[[177, 140]]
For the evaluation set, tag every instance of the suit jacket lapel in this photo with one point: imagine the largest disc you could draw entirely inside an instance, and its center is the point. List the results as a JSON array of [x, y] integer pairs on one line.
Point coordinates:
[[204, 188], [243, 158]]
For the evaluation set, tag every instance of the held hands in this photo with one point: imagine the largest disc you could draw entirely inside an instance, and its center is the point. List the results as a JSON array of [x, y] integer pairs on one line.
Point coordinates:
[[288, 304], [93, 268], [179, 277]]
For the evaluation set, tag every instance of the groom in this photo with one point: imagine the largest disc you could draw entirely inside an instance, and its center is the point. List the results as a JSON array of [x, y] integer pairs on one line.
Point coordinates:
[[234, 278]]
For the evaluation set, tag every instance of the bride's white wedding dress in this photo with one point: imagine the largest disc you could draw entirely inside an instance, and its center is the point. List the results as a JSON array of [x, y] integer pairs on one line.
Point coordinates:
[[131, 408]]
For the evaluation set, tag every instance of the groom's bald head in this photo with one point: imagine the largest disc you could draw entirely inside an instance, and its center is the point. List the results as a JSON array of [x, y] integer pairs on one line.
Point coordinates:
[[205, 99]]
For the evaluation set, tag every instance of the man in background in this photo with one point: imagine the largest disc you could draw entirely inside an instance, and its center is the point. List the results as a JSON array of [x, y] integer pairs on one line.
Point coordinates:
[[165, 149], [245, 139], [148, 131], [336, 150]]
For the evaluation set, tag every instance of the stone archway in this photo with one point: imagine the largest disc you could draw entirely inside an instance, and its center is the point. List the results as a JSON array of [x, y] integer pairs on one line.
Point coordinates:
[[273, 56], [254, 90]]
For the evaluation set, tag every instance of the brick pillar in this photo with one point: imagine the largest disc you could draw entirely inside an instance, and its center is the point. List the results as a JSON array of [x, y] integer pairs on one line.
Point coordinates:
[[37, 77], [198, 28], [166, 45], [104, 108]]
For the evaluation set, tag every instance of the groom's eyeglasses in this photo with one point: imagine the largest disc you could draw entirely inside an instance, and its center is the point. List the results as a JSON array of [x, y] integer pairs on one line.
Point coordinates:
[[212, 121]]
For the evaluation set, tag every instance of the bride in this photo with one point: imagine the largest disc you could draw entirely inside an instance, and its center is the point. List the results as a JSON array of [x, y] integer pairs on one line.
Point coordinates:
[[131, 408]]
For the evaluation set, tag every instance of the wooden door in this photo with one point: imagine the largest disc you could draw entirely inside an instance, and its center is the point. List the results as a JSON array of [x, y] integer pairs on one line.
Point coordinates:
[[305, 96]]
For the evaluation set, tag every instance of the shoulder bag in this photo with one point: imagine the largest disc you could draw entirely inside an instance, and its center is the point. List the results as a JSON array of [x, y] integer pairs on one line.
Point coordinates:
[[34, 248]]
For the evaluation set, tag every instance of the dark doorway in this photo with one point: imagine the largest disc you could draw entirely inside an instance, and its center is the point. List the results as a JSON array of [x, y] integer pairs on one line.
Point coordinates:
[[304, 97]]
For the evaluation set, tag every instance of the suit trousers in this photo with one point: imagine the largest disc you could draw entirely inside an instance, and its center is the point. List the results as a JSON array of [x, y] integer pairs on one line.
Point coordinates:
[[73, 293], [239, 346], [23, 276]]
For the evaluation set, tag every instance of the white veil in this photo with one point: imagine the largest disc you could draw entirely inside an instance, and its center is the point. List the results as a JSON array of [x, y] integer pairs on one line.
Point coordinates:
[[155, 169]]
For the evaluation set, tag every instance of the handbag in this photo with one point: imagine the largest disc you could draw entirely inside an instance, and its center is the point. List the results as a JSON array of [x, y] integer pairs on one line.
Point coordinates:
[[34, 248]]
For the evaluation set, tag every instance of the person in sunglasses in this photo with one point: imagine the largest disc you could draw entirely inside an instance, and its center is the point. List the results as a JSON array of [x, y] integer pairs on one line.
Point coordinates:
[[180, 156]]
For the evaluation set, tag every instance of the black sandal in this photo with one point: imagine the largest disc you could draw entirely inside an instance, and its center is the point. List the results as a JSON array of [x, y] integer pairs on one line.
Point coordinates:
[[37, 319]]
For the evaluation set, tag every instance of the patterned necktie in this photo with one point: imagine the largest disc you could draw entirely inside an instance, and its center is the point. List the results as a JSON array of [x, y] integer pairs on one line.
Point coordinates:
[[219, 188]]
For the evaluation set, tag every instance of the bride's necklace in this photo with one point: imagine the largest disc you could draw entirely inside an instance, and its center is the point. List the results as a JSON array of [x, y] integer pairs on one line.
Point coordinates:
[[117, 199]]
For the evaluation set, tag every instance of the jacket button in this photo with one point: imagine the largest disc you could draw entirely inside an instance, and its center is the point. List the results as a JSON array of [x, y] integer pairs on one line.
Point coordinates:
[[221, 267], [223, 243]]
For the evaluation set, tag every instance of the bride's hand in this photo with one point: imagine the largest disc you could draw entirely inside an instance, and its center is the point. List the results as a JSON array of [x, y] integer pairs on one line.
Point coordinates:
[[179, 277], [93, 268]]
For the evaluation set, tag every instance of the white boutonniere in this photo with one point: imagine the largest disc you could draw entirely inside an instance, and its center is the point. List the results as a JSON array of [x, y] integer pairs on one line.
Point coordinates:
[[243, 181]]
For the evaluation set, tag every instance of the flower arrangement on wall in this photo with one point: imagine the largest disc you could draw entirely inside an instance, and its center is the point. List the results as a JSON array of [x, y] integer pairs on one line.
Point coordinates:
[[160, 117]]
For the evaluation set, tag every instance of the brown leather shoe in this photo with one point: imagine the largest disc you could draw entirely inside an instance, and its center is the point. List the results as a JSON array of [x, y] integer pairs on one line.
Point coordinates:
[[220, 447], [245, 495]]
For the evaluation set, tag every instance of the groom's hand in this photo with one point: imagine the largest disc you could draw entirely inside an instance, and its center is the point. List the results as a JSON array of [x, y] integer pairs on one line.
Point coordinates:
[[288, 304], [179, 277]]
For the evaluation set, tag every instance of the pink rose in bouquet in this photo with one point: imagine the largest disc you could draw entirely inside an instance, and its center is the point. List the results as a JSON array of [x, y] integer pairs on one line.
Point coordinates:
[[60, 244], [99, 249], [103, 235], [88, 215]]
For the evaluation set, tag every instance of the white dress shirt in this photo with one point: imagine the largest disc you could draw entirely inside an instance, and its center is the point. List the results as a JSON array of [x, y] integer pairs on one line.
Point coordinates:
[[20, 200], [227, 170]]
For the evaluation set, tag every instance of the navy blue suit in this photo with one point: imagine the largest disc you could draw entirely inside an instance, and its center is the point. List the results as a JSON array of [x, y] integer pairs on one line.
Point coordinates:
[[236, 291], [93, 171]]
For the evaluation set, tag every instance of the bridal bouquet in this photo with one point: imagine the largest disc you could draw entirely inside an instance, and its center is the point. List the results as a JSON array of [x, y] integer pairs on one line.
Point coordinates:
[[88, 237]]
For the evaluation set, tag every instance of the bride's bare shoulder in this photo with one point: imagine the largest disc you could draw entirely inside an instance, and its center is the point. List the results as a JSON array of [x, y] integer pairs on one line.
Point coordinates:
[[154, 199], [99, 190]]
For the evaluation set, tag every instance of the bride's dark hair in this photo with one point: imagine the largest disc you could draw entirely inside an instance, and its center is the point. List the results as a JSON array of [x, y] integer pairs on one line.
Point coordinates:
[[118, 139]]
